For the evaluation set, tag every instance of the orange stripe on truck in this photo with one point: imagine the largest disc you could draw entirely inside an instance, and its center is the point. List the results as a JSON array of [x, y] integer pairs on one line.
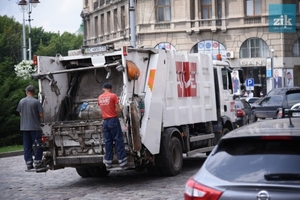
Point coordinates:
[[151, 78]]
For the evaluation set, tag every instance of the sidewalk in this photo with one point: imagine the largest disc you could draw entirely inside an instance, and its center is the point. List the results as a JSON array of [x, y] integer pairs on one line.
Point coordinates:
[[9, 154]]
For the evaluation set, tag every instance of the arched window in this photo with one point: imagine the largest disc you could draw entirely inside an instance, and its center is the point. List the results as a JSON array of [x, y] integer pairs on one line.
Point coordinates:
[[296, 48], [254, 48], [165, 45], [212, 47]]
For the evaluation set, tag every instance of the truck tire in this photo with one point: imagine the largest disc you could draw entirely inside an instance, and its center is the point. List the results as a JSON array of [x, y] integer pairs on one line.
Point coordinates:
[[225, 131], [172, 153], [98, 171], [83, 172]]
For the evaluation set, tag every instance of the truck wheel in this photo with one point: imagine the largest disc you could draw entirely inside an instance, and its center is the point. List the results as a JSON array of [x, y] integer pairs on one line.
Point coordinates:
[[225, 131], [98, 171], [172, 154], [83, 172]]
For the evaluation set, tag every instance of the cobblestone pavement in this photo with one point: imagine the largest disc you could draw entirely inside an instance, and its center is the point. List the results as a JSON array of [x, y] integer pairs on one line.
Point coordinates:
[[66, 184]]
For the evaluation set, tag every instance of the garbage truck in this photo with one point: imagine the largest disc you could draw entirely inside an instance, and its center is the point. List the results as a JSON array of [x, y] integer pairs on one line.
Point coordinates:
[[174, 105]]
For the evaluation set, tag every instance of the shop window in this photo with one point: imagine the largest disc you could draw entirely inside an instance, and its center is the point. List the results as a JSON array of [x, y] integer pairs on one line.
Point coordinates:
[[254, 48]]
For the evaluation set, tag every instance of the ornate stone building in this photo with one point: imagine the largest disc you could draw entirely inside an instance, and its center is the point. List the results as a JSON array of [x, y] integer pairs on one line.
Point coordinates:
[[239, 30]]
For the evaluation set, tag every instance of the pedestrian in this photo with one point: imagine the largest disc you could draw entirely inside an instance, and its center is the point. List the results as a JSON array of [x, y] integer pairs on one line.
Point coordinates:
[[109, 106], [31, 111], [250, 93]]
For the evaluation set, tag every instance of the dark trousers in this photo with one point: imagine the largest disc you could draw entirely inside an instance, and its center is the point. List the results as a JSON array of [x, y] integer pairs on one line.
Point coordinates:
[[113, 134], [31, 138]]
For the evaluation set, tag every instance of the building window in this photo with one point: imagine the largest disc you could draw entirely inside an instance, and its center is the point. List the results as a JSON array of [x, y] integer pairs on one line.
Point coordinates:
[[192, 10], [163, 10], [253, 7], [296, 48], [206, 9], [116, 22], [101, 3], [96, 27], [211, 47], [219, 9], [102, 24], [107, 2], [165, 46], [254, 48], [123, 18], [108, 22]]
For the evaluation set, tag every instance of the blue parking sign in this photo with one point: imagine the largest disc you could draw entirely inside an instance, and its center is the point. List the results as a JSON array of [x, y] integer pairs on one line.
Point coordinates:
[[250, 82]]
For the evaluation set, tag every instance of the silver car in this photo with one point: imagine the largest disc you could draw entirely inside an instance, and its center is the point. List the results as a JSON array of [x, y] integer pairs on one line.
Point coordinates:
[[260, 161]]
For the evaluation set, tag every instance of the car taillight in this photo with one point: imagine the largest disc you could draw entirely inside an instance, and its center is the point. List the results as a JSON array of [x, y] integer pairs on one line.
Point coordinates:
[[240, 113], [197, 191]]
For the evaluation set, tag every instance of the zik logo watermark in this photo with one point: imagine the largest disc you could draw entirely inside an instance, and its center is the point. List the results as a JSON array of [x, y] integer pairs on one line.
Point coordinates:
[[282, 21], [282, 18]]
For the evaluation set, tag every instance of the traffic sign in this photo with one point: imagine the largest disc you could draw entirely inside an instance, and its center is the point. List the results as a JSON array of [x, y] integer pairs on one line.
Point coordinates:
[[250, 84]]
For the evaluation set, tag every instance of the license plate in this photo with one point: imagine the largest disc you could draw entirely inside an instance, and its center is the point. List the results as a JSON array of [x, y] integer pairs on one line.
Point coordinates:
[[296, 114]]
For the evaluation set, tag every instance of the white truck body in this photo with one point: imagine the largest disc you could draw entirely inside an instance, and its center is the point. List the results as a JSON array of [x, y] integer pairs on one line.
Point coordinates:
[[173, 103]]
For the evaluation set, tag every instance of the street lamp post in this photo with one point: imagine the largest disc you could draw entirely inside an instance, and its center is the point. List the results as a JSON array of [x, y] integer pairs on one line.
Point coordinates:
[[27, 6]]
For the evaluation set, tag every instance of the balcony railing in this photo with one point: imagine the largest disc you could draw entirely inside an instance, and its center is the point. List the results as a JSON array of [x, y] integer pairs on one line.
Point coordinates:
[[252, 20]]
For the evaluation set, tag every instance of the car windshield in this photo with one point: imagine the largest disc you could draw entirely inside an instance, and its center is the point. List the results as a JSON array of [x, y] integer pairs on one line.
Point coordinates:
[[251, 159]]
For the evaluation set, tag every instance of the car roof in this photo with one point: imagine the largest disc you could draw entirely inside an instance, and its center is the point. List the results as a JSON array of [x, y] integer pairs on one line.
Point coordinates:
[[276, 127], [277, 91]]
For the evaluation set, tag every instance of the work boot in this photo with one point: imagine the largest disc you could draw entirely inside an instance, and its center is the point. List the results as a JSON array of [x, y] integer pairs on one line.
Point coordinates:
[[29, 167], [39, 164]]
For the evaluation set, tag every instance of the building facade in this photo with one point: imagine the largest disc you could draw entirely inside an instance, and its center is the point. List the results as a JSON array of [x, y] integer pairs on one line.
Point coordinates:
[[238, 30]]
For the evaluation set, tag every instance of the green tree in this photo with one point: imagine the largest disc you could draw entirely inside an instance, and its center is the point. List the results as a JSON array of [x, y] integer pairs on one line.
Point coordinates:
[[12, 87]]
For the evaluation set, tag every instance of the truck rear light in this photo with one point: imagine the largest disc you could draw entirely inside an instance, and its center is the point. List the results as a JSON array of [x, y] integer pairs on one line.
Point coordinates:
[[125, 52], [35, 60], [45, 139], [240, 113], [197, 191]]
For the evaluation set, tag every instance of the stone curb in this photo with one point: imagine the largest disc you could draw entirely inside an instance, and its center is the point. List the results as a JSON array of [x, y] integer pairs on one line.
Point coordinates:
[[9, 154]]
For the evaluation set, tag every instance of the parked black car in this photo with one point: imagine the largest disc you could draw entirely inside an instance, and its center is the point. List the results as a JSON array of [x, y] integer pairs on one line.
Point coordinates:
[[258, 161], [274, 104], [244, 113], [282, 91]]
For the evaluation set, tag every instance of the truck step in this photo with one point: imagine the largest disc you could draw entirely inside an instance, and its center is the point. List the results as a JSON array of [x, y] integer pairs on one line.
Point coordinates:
[[117, 167]]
